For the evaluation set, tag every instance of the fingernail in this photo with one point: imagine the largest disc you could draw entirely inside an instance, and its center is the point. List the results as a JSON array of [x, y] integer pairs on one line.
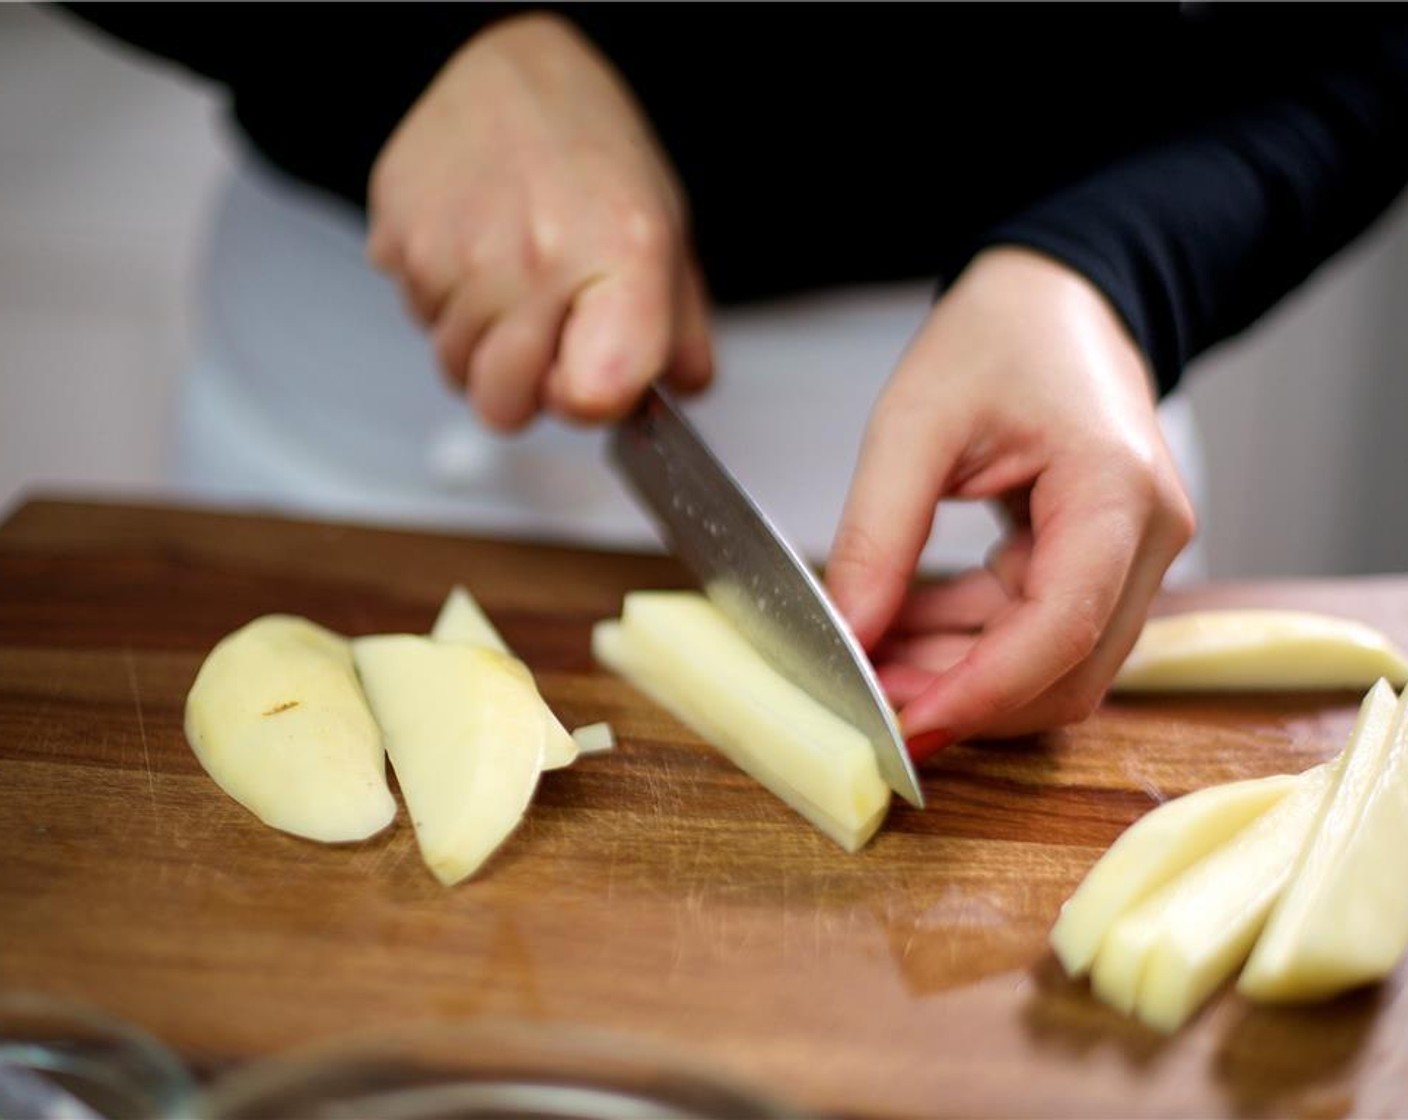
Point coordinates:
[[926, 744]]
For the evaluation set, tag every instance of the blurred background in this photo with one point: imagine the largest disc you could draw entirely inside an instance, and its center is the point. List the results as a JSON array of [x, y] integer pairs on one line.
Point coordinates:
[[109, 164]]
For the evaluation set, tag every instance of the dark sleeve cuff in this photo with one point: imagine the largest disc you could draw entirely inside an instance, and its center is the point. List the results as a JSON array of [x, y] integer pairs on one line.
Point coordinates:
[[1194, 239]]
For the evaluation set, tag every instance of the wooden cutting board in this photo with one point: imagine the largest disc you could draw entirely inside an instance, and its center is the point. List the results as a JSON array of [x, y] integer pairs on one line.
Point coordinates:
[[655, 890]]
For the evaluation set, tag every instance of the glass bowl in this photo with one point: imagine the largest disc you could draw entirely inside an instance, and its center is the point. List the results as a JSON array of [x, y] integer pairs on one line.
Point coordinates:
[[64, 1060], [508, 1070]]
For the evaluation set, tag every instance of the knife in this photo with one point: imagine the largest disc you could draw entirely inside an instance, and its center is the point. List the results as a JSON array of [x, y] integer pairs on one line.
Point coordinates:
[[754, 577]]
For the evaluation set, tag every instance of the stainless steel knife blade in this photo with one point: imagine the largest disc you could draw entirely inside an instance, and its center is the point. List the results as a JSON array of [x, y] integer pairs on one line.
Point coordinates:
[[750, 572]]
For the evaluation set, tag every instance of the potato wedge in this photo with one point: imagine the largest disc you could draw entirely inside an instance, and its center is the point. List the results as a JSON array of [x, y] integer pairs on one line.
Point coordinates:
[[1152, 851], [678, 649], [463, 621], [1163, 958], [1259, 650], [465, 732], [278, 720], [1343, 920]]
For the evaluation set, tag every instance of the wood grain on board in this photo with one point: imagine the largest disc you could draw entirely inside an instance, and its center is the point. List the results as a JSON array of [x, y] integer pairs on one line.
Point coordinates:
[[654, 890]]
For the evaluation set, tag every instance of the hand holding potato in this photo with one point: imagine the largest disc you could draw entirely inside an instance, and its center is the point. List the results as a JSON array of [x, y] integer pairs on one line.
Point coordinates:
[[1022, 387], [535, 228]]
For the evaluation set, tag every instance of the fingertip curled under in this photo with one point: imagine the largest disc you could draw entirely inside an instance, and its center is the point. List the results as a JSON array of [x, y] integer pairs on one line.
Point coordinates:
[[505, 420], [925, 744], [693, 368], [607, 391], [585, 406]]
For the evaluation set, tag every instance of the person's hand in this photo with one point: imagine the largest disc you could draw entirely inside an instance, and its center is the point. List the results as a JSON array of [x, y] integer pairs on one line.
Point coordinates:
[[535, 228], [1024, 387]]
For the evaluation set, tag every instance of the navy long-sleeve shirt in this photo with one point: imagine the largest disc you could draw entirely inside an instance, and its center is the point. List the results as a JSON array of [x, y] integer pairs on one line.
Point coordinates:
[[1195, 162]]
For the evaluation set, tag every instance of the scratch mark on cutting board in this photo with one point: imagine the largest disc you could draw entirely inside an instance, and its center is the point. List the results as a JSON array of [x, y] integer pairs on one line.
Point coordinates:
[[1139, 776], [611, 872], [141, 723]]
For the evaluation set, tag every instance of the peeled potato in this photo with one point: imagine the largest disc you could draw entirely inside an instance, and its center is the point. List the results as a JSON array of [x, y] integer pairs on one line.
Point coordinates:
[[1259, 650], [1343, 920], [677, 648], [463, 621], [1162, 958], [1206, 920], [278, 720], [465, 732], [1152, 851]]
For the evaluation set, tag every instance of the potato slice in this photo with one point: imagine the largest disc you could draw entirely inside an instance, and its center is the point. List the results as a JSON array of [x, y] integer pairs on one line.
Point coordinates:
[[1259, 650], [465, 732], [679, 650], [1343, 920], [463, 621], [1119, 964], [1149, 853], [278, 720], [1166, 956]]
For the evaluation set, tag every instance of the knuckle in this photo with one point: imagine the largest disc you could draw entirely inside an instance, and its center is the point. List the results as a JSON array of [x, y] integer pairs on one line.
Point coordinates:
[[480, 255], [1141, 477], [648, 235], [1152, 486], [421, 258], [542, 246], [1079, 633], [1180, 518]]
